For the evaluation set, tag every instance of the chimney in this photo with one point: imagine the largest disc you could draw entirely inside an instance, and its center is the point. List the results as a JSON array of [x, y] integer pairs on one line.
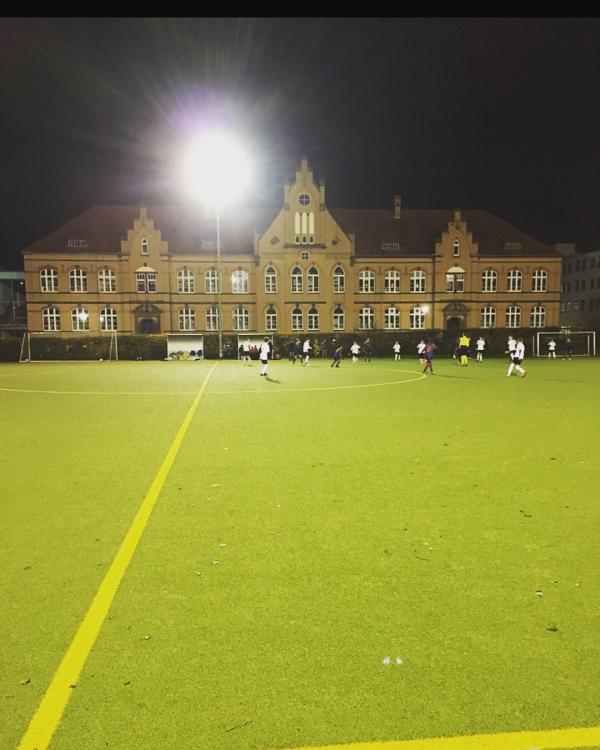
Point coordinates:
[[397, 206]]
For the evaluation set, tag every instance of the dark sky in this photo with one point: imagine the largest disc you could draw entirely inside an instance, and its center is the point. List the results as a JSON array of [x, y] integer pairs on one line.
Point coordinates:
[[501, 114]]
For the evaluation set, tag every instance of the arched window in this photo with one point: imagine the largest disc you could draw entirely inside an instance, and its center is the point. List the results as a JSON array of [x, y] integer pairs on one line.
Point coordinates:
[[145, 248], [271, 319], [539, 281], [108, 319], [456, 248], [185, 284], [339, 319], [297, 319], [339, 280], [313, 279], [187, 319], [417, 281], [77, 280], [366, 319], [513, 317], [391, 283], [51, 319], [296, 279], [489, 281], [488, 317], [48, 280], [514, 280], [417, 317], [270, 280], [241, 319], [313, 319], [107, 281], [391, 319], [211, 281], [538, 316], [366, 282], [80, 319], [240, 283]]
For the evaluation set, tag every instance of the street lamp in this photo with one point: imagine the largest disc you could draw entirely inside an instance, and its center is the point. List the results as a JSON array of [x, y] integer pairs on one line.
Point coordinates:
[[216, 170]]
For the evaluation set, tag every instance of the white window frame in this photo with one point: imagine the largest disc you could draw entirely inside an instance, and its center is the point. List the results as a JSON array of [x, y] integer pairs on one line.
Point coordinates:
[[297, 280], [514, 280], [366, 318], [455, 283], [107, 281], [391, 319], [538, 316], [391, 283], [212, 319], [51, 319], [297, 319], [539, 281], [185, 283], [313, 319], [513, 316], [418, 282], [488, 317], [417, 318], [312, 280], [271, 319], [366, 282], [48, 279], [456, 248], [211, 281], [339, 280], [489, 281], [80, 319], [339, 319], [241, 319], [108, 319], [187, 319], [77, 280], [240, 284], [270, 280]]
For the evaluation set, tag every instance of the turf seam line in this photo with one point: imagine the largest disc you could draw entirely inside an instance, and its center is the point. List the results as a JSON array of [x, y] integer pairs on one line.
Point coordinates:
[[49, 712]]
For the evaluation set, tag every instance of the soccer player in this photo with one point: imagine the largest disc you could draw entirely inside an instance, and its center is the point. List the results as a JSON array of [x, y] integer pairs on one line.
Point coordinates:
[[480, 348], [337, 357], [568, 348], [427, 355], [512, 345], [265, 349], [552, 349], [463, 349], [421, 348], [355, 349], [306, 347], [396, 349], [517, 359], [297, 351], [246, 351], [367, 350]]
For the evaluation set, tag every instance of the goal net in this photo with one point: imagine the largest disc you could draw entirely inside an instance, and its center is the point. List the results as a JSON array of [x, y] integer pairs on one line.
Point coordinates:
[[42, 346], [567, 343], [185, 346]]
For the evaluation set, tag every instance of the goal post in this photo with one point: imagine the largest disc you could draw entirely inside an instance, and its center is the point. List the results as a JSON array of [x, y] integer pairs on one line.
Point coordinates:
[[568, 343], [46, 346]]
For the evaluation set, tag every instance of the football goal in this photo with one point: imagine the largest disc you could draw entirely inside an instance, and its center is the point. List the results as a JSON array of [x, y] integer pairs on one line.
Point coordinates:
[[185, 346], [42, 346], [567, 343]]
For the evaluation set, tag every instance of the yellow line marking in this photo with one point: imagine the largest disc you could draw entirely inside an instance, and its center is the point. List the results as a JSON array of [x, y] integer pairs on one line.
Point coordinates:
[[103, 393], [551, 739], [49, 712]]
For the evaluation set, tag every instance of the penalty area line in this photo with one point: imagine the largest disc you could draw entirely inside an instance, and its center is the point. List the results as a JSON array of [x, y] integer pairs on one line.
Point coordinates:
[[48, 715], [550, 739]]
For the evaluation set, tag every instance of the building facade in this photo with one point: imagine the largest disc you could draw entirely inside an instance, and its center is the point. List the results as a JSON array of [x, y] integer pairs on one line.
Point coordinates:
[[580, 288], [300, 268]]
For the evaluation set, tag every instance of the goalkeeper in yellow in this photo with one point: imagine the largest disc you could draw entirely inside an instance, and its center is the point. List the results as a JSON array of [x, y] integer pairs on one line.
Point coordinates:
[[463, 349]]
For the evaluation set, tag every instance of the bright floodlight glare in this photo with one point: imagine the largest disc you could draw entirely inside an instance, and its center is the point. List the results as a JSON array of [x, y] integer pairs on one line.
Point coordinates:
[[425, 308], [216, 169]]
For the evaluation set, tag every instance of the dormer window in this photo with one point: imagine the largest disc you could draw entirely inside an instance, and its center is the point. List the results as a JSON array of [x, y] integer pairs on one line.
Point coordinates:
[[145, 248]]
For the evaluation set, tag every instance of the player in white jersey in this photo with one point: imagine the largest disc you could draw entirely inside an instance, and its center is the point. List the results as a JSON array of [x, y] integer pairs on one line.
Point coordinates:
[[552, 349], [396, 349], [480, 348], [355, 349], [306, 347], [265, 350], [517, 359]]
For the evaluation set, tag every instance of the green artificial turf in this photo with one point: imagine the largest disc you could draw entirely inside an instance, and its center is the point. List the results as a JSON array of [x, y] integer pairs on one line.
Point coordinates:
[[308, 530]]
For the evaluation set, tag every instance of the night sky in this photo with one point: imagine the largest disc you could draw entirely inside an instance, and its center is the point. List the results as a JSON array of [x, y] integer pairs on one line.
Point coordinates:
[[500, 114]]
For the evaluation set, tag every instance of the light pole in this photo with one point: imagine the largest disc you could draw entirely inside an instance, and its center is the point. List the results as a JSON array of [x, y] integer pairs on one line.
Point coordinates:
[[216, 170]]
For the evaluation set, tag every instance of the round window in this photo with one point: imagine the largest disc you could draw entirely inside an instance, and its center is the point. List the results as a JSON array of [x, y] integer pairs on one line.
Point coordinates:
[[304, 199], [305, 255]]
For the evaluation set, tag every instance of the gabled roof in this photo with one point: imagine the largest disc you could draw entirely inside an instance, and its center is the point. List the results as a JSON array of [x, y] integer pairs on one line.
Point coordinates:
[[101, 228], [417, 230]]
